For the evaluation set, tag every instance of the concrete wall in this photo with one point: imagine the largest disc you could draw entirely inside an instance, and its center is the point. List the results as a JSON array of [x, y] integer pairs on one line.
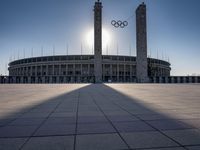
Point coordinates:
[[90, 79], [176, 79]]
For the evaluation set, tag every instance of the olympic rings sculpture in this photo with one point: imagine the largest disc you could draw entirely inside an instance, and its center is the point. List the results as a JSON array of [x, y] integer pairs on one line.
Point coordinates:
[[119, 23]]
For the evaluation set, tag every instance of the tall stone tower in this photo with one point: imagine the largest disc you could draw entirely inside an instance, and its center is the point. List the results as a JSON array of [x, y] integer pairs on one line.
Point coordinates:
[[98, 42], [141, 44]]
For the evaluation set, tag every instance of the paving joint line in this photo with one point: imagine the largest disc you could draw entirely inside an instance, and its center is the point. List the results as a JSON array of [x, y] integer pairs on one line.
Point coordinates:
[[77, 110], [12, 120], [28, 139], [110, 122], [143, 120], [154, 128]]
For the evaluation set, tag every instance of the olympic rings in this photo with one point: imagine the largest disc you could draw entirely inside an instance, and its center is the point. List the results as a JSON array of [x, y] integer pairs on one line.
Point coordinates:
[[119, 23]]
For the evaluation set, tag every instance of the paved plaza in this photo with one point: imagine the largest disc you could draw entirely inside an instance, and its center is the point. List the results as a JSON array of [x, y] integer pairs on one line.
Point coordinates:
[[100, 117]]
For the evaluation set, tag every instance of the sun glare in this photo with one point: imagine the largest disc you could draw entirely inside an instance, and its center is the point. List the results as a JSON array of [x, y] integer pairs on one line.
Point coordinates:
[[105, 38]]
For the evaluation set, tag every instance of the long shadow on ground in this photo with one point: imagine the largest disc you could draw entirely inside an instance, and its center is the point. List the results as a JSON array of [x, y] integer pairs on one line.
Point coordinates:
[[96, 117]]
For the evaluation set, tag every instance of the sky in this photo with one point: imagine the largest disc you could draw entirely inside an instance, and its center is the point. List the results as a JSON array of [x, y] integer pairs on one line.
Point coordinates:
[[36, 27]]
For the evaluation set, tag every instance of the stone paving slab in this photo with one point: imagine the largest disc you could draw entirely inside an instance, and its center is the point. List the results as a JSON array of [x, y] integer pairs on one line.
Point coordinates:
[[26, 121], [185, 137], [94, 128], [17, 131], [193, 147], [100, 117], [171, 148], [55, 129], [169, 125], [100, 142], [134, 126], [92, 119], [147, 140], [11, 143], [50, 143]]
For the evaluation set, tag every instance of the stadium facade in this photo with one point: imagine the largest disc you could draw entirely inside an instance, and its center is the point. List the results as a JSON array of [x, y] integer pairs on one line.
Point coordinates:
[[97, 68], [81, 68]]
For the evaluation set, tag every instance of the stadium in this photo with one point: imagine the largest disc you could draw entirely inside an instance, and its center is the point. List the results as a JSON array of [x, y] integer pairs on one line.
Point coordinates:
[[80, 68]]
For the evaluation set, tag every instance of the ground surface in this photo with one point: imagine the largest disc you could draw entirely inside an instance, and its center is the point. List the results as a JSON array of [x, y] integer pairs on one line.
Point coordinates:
[[99, 117]]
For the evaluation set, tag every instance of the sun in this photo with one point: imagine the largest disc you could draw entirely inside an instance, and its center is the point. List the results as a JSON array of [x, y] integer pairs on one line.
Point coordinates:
[[105, 38]]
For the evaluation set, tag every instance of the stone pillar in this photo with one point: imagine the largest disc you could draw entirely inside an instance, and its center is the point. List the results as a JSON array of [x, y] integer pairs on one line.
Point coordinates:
[[74, 73], [14, 79], [184, 79], [65, 79], [36, 79], [172, 79], [160, 80], [41, 70], [82, 76], [57, 79], [154, 79], [36, 71], [31, 71], [59, 70], [190, 79], [43, 79], [66, 69], [196, 79], [89, 73], [131, 73], [98, 42], [50, 79], [53, 68], [111, 72], [166, 80], [103, 72], [178, 79], [124, 72], [141, 43], [117, 72], [47, 70], [29, 79]]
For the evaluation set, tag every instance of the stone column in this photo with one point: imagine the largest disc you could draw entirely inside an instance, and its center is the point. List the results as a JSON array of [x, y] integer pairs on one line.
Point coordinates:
[[141, 43], [160, 80], [111, 72], [50, 79], [131, 73], [59, 70], [47, 70], [43, 79], [36, 71], [53, 68], [117, 72], [166, 80], [172, 79], [125, 73], [154, 79], [98, 42], [14, 79], [66, 70], [29, 79], [57, 78], [196, 79], [184, 79], [89, 73], [178, 79], [81, 77], [74, 73], [190, 79], [41, 70]]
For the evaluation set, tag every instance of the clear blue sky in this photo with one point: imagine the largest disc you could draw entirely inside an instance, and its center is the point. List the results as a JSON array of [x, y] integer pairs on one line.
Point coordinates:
[[173, 29]]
